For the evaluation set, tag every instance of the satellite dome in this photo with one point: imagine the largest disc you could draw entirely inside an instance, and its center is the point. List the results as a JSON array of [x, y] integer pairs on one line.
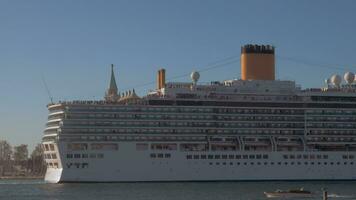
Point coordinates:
[[336, 80], [349, 77], [327, 81], [195, 76]]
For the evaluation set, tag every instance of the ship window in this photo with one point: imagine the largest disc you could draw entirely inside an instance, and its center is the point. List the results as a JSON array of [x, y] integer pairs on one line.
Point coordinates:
[[298, 163], [210, 163], [189, 156], [291, 156], [224, 156], [152, 155], [92, 155], [345, 163], [231, 156], [217, 163], [167, 155], [279, 163], [265, 156], [210, 156], [85, 165], [51, 146], [77, 146], [196, 156], [238, 156], [203, 156], [325, 156], [351, 163], [272, 163], [54, 156], [100, 155], [305, 156], [84, 155], [160, 155], [252, 156], [217, 156], [338, 163], [259, 156], [299, 156], [69, 155], [224, 163], [331, 163], [325, 163], [351, 156], [245, 157], [77, 165], [76, 155], [318, 156], [245, 163], [285, 156], [285, 163], [305, 163], [344, 156]]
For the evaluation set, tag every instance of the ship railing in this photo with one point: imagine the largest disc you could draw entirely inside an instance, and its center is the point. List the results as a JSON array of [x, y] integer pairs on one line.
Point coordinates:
[[342, 89], [216, 97], [88, 102]]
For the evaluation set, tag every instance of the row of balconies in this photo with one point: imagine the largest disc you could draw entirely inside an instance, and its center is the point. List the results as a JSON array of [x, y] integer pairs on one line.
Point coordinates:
[[204, 110]]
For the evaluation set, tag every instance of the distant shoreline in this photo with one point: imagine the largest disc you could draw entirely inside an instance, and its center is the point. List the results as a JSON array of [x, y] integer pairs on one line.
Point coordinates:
[[21, 177]]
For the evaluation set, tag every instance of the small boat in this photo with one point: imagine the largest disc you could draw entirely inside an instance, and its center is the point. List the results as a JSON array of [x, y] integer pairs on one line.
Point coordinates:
[[289, 193]]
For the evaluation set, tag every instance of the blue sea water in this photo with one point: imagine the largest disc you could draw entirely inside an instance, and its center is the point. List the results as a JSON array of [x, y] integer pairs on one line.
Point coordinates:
[[39, 190]]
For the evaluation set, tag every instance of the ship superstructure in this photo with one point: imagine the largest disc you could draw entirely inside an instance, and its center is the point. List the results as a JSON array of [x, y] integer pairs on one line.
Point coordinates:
[[253, 128]]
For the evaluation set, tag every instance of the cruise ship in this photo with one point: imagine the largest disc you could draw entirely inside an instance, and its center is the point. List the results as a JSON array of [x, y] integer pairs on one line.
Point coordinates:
[[255, 128]]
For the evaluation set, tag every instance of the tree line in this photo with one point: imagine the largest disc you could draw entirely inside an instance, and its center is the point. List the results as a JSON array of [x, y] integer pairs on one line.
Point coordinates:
[[16, 161]]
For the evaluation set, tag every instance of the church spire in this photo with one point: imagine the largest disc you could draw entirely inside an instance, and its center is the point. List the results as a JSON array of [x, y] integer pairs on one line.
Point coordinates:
[[112, 85], [111, 94]]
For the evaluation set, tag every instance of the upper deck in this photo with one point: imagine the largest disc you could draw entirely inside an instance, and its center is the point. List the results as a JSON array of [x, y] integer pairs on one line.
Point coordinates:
[[256, 106]]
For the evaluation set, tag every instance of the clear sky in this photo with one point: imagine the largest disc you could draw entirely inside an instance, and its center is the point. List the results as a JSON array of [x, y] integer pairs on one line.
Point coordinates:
[[71, 43]]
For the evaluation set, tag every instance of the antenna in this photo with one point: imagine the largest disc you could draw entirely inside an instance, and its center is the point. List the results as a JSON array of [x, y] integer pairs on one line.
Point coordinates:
[[47, 89]]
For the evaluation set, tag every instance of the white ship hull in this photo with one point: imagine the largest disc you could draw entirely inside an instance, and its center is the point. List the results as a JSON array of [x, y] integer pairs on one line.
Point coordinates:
[[255, 128], [130, 165]]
